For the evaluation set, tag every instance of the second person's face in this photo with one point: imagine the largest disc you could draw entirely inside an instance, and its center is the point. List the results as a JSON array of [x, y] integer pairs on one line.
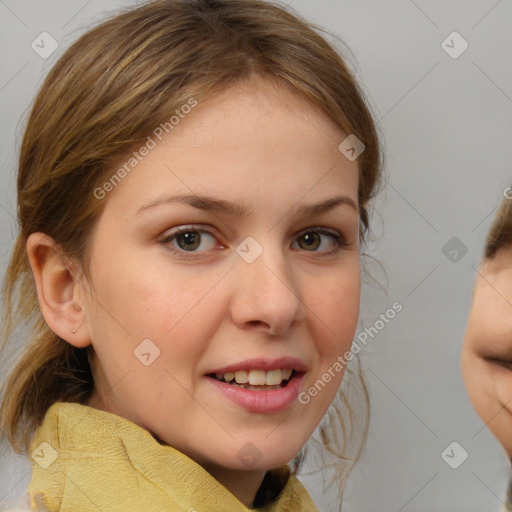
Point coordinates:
[[487, 350]]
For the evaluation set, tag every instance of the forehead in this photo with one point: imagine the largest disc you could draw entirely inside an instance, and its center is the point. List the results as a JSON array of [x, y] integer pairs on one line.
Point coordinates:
[[500, 234], [231, 113], [493, 284], [250, 140]]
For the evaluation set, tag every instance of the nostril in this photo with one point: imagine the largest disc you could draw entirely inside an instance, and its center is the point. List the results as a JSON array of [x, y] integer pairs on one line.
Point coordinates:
[[258, 323]]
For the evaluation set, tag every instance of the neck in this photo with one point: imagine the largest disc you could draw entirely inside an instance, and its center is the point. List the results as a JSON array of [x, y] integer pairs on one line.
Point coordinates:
[[243, 485]]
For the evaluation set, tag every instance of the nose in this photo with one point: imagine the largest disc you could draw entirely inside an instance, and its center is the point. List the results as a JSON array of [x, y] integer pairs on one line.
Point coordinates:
[[268, 296]]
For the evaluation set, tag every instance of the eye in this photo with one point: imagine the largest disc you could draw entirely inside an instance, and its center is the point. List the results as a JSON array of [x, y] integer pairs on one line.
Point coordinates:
[[502, 362], [313, 239], [188, 239]]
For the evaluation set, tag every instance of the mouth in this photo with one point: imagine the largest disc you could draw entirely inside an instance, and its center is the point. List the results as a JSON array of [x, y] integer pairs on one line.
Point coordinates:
[[260, 385], [260, 398], [256, 379]]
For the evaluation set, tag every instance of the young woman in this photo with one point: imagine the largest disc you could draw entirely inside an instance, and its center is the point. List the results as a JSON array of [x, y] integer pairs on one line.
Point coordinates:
[[487, 350], [193, 192]]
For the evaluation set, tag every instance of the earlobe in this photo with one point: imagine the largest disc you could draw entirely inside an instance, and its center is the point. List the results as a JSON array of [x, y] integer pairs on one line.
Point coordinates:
[[57, 290]]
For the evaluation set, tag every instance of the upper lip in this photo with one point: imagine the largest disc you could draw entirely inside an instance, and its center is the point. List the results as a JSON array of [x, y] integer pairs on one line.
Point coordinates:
[[264, 364]]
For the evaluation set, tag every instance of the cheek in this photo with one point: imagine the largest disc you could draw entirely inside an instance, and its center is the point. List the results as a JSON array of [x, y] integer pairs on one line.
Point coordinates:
[[489, 327], [177, 310], [477, 381], [487, 336], [335, 308], [489, 388], [481, 377], [494, 406], [148, 297]]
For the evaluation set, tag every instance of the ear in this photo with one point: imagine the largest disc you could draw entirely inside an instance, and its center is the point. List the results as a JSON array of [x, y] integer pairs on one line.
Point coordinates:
[[57, 290]]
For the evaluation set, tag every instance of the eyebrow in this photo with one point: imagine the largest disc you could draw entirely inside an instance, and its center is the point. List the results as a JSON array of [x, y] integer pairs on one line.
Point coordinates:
[[236, 209]]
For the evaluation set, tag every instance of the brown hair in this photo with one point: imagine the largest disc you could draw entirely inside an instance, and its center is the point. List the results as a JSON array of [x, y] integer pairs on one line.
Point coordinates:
[[106, 93], [500, 234]]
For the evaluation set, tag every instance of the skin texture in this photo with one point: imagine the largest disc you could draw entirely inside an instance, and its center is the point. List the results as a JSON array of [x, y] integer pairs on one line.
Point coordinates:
[[206, 308], [486, 358]]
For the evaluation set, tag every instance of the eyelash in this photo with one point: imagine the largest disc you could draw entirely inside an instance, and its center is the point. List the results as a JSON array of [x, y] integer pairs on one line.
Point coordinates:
[[501, 362], [339, 241]]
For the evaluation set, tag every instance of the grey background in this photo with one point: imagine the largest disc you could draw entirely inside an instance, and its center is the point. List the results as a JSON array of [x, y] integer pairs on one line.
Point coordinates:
[[447, 125]]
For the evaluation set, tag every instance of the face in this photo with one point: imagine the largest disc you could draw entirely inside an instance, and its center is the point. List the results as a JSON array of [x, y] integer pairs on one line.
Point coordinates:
[[187, 289], [487, 349]]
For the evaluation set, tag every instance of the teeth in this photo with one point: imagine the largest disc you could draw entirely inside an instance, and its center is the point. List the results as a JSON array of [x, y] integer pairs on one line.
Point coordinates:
[[286, 373], [241, 377], [257, 377], [273, 377], [228, 377]]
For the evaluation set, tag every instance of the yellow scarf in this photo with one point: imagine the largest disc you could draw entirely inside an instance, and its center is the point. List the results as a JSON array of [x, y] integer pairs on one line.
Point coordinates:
[[85, 459]]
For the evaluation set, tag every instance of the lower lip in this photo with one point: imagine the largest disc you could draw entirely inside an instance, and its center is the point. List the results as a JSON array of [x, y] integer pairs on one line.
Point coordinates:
[[265, 401]]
